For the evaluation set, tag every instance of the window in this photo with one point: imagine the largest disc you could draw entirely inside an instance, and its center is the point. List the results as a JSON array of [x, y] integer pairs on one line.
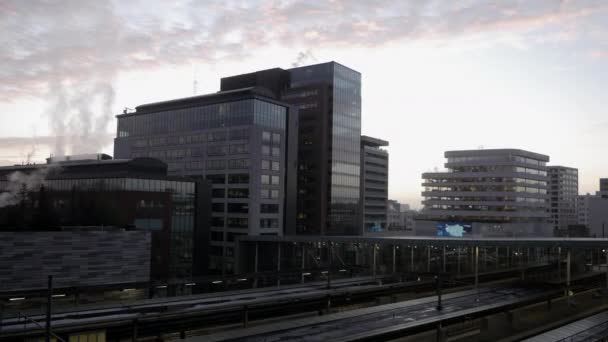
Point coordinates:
[[239, 149], [217, 136], [266, 136], [217, 222], [218, 193], [217, 207], [265, 179], [238, 164], [240, 222], [216, 179], [238, 193], [274, 180], [274, 194], [217, 236], [238, 178], [239, 134], [265, 193], [240, 208], [276, 138], [276, 151], [216, 150], [265, 164], [276, 166], [265, 150], [233, 236], [219, 164], [269, 223], [269, 208]]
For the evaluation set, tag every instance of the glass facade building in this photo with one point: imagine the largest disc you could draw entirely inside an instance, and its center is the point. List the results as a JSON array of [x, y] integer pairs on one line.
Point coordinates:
[[236, 140], [340, 112]]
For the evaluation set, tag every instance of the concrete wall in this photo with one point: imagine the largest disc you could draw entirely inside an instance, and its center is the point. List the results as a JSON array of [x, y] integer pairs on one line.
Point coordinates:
[[74, 258]]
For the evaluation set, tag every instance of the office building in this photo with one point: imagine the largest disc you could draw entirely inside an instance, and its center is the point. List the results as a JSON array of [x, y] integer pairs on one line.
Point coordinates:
[[493, 192], [394, 219], [604, 185], [592, 212], [95, 190], [243, 141], [374, 184], [328, 97], [563, 193]]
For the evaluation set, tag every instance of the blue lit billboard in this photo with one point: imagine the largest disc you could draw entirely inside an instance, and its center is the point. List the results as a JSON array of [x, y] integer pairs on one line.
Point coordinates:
[[454, 229]]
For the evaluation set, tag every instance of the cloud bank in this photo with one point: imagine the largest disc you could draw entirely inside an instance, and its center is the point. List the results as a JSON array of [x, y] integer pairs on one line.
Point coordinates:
[[70, 52]]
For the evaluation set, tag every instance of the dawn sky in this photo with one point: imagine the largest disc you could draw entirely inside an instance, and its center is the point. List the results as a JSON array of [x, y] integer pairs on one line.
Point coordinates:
[[437, 75]]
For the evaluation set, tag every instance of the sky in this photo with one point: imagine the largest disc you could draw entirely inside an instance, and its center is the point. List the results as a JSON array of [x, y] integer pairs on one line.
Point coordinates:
[[436, 75]]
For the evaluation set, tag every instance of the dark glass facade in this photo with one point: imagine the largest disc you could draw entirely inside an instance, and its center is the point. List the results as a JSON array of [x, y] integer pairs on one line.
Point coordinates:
[[343, 117]]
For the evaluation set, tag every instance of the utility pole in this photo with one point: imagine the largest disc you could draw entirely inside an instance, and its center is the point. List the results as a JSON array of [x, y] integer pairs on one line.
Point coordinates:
[[48, 309]]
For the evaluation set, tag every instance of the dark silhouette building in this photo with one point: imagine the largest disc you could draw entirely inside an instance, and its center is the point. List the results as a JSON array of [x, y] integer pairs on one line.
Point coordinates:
[[328, 97], [98, 191]]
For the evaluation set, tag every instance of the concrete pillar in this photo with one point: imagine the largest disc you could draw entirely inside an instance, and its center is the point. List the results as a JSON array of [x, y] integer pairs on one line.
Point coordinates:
[[508, 257], [374, 252], [255, 265], [428, 258], [394, 259], [303, 267], [412, 259], [568, 257], [606, 251], [444, 261], [278, 264], [476, 254], [559, 264], [497, 264], [458, 259]]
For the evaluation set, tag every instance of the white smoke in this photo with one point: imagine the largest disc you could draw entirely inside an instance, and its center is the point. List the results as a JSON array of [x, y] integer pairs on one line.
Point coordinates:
[[19, 184], [303, 58]]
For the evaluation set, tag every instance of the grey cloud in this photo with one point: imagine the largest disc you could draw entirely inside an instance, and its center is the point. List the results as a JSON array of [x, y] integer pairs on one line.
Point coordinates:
[[70, 52]]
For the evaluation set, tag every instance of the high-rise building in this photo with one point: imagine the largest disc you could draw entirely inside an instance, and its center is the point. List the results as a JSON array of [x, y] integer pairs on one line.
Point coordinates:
[[494, 192], [374, 184], [604, 185], [328, 97], [243, 141], [563, 193]]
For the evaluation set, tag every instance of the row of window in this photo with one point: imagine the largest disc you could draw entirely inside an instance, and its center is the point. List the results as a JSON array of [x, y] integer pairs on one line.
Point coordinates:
[[235, 134], [269, 180], [270, 165], [233, 178], [220, 164], [268, 151]]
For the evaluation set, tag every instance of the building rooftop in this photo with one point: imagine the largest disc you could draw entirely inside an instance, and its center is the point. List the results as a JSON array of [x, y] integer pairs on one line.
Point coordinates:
[[494, 152], [200, 100], [373, 142]]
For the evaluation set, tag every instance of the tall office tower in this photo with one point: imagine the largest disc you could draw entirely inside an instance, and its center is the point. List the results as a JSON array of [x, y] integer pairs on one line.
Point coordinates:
[[603, 187], [495, 192], [243, 141], [374, 184], [328, 96], [563, 193]]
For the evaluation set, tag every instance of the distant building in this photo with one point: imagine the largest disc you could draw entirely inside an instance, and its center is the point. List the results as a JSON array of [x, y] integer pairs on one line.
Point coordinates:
[[243, 141], [494, 192], [328, 97], [604, 185], [394, 219], [592, 212], [374, 184], [563, 194], [99, 191]]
